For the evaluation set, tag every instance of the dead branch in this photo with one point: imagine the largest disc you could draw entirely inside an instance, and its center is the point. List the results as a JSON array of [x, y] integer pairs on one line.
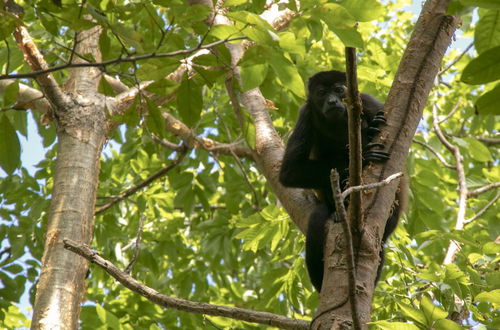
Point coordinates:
[[370, 186], [182, 304]]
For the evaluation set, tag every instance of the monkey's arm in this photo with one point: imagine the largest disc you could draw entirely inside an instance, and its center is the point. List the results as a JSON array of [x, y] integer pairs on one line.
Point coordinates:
[[297, 169]]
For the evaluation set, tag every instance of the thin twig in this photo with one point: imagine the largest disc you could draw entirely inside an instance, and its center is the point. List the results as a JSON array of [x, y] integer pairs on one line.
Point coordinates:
[[452, 112], [132, 59], [462, 186], [483, 210], [128, 269], [456, 59], [483, 189], [154, 296], [374, 185], [431, 149]]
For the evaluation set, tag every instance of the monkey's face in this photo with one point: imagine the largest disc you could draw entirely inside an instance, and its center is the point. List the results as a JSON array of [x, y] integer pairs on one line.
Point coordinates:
[[328, 101]]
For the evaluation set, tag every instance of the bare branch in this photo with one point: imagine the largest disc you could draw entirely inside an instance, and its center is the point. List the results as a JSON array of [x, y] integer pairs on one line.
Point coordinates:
[[178, 128], [36, 61], [462, 186], [483, 210], [481, 190], [456, 59], [452, 112], [488, 140], [103, 64], [431, 149], [374, 185], [29, 98], [355, 157], [182, 304], [128, 269], [167, 144]]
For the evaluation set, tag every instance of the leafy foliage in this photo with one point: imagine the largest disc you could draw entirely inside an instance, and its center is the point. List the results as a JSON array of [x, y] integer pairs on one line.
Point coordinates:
[[214, 231]]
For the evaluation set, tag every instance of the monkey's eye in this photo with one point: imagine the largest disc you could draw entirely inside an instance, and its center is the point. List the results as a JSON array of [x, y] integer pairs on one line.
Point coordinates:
[[339, 89], [322, 91]]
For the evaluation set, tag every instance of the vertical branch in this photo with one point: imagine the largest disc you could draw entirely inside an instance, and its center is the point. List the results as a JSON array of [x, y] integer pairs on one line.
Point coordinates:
[[349, 249], [354, 122], [462, 186]]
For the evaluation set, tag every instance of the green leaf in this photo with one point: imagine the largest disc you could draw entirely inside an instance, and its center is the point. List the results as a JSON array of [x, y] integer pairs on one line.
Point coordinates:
[[412, 313], [189, 101], [483, 69], [490, 4], [491, 248], [105, 46], [252, 76], [453, 272], [386, 325], [154, 120], [197, 12], [223, 32], [478, 150], [489, 296], [8, 23], [108, 318], [10, 148], [335, 16], [350, 37], [445, 324], [487, 31], [249, 132], [364, 10], [431, 311], [254, 27], [11, 93], [49, 23], [288, 74], [128, 36], [229, 3], [489, 102], [289, 43]]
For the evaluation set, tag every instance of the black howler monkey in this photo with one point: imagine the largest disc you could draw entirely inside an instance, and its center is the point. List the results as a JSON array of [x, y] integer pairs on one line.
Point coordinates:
[[319, 142]]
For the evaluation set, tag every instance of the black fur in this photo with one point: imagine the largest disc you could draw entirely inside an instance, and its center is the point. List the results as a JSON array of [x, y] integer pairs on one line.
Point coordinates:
[[319, 142]]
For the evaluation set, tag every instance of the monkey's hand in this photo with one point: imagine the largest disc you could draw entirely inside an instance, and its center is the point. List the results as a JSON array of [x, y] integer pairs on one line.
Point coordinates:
[[372, 151], [371, 155], [373, 125]]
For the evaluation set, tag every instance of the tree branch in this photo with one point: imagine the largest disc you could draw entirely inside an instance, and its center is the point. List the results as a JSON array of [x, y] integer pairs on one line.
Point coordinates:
[[462, 185], [43, 70], [349, 249], [370, 186], [178, 128], [355, 157], [36, 61], [31, 98], [475, 192], [182, 304], [431, 149], [483, 210]]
